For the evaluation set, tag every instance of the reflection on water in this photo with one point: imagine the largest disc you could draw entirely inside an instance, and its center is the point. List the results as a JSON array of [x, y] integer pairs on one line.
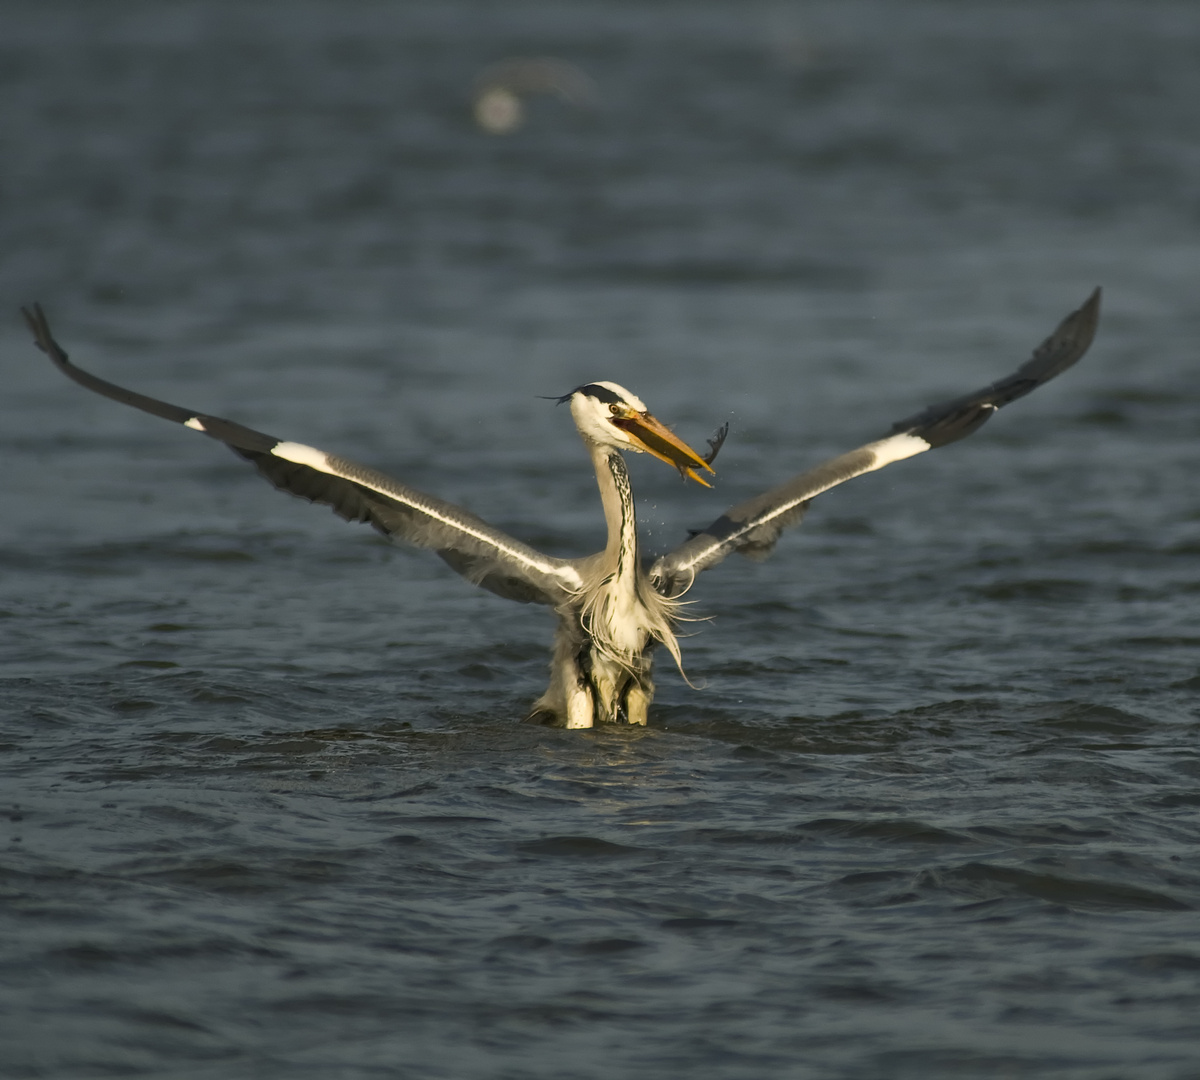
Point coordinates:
[[268, 806]]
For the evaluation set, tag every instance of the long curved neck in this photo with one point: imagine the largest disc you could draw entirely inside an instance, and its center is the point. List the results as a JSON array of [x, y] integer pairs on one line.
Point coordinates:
[[621, 551]]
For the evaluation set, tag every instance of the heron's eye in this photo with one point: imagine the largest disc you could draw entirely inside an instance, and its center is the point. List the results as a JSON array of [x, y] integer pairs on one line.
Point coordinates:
[[615, 409]]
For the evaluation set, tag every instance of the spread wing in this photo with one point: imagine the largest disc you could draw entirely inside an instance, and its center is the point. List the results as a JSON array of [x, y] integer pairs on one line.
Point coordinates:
[[752, 527], [480, 553]]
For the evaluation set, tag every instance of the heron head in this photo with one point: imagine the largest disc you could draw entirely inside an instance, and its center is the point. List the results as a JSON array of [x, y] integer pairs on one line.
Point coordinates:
[[610, 415]]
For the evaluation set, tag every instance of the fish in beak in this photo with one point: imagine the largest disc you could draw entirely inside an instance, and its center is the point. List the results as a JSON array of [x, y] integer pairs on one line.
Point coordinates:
[[657, 439]]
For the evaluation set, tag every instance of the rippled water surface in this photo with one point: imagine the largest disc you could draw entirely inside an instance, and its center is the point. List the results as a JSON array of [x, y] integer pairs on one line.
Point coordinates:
[[268, 805]]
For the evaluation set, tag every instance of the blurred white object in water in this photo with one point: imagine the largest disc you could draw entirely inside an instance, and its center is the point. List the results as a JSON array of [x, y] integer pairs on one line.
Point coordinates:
[[498, 111], [500, 87]]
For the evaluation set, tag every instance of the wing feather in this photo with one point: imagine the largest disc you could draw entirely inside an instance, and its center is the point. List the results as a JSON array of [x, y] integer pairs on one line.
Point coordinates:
[[752, 527], [481, 553]]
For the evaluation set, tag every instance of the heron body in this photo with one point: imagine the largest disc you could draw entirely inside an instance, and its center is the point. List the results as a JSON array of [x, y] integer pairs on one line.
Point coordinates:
[[608, 629], [613, 608]]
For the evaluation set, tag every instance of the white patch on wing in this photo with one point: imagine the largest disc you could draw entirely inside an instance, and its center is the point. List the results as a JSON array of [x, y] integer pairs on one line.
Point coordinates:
[[194, 424], [303, 455], [897, 448], [319, 460], [884, 452]]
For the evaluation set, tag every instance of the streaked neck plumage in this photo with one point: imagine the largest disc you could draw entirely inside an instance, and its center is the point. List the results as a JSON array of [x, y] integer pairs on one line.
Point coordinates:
[[616, 495]]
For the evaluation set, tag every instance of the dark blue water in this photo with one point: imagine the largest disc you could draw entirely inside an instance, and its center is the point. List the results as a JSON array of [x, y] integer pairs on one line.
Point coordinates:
[[269, 808]]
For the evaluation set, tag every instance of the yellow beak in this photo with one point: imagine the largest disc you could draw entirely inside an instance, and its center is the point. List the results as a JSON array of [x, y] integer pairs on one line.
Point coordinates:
[[657, 439]]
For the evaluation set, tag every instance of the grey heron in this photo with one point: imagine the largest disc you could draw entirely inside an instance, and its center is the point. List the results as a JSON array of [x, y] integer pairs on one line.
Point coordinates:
[[613, 607]]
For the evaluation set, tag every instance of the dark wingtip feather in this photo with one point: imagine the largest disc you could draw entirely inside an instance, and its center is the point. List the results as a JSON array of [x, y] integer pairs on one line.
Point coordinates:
[[951, 420]]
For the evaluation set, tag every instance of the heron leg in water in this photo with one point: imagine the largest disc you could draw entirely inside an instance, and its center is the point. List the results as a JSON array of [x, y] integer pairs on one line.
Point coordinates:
[[569, 699], [637, 703], [580, 707]]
